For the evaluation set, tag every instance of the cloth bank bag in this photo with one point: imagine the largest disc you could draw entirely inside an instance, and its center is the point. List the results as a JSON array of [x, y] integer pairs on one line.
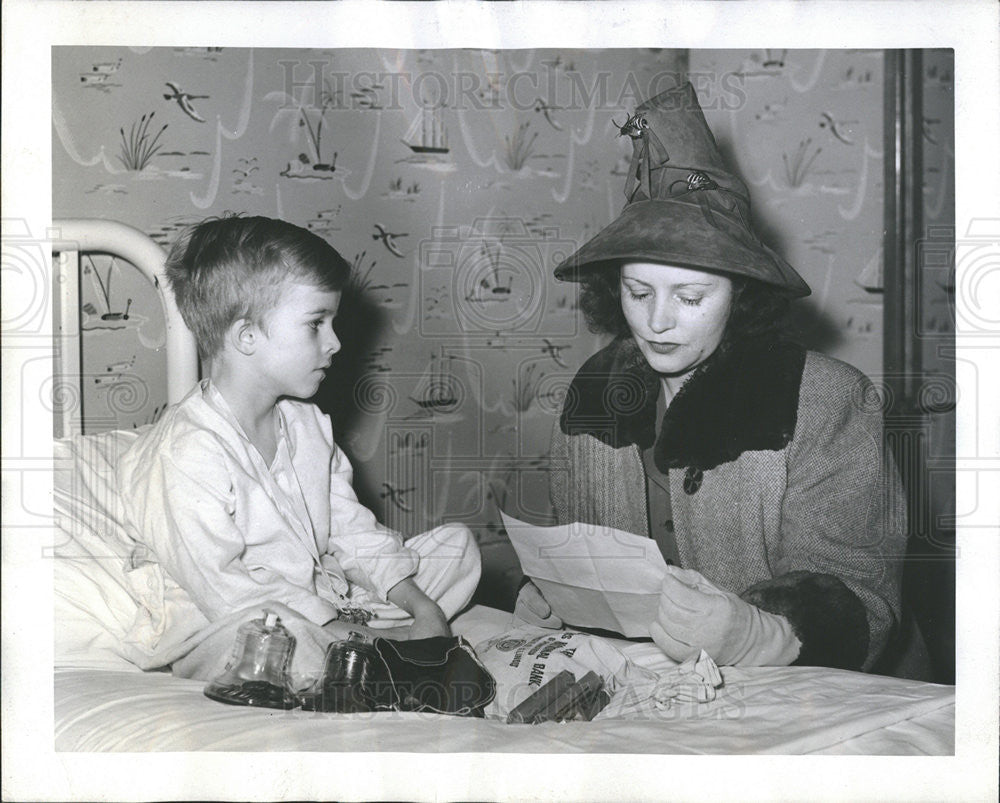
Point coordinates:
[[440, 675]]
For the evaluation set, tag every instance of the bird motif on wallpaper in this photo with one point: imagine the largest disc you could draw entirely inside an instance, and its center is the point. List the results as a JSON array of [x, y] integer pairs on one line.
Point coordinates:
[[184, 101], [546, 109], [827, 121], [555, 352], [388, 239], [396, 496]]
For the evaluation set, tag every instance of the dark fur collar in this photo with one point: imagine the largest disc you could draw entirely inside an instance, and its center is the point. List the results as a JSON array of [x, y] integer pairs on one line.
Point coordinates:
[[742, 400]]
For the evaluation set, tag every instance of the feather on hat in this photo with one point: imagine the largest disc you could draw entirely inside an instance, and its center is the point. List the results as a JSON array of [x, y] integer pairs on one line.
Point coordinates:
[[684, 206]]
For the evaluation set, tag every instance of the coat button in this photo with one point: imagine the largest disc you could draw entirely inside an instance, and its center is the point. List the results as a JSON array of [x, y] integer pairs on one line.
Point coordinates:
[[692, 480]]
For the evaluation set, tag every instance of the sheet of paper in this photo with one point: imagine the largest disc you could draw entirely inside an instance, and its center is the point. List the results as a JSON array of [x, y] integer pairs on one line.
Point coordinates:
[[592, 576]]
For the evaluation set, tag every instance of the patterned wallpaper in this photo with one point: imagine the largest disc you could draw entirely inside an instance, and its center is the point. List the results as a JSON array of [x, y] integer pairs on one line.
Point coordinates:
[[805, 128], [453, 180]]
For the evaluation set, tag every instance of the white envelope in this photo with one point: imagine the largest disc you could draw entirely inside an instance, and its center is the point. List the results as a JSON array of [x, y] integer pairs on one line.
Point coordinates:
[[592, 576]]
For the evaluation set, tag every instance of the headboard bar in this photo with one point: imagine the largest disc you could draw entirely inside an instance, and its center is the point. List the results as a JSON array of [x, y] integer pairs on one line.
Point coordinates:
[[85, 235]]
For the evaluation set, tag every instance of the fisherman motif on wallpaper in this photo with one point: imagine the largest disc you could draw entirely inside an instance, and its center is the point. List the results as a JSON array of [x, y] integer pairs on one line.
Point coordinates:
[[309, 165], [113, 317], [454, 181], [101, 76], [121, 329], [497, 278]]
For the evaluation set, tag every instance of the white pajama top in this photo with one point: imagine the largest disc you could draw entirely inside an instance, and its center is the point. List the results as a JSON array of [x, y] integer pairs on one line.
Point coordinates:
[[233, 531]]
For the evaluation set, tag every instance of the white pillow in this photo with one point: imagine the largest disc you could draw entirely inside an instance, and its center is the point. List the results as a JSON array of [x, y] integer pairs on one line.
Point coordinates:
[[109, 598]]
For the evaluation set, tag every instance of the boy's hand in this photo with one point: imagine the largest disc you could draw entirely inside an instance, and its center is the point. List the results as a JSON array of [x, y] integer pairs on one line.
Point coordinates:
[[429, 622], [428, 618], [340, 629]]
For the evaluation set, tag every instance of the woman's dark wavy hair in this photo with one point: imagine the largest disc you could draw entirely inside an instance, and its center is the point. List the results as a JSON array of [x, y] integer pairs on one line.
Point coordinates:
[[758, 309]]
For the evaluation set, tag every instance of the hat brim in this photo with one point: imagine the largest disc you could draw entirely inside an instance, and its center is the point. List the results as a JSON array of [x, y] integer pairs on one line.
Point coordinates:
[[678, 232]]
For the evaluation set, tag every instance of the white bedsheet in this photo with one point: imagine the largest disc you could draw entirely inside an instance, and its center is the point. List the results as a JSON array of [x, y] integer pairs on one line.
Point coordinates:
[[772, 710]]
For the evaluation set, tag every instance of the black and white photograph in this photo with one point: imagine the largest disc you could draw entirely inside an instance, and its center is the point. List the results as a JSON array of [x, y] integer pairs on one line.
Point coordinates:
[[501, 401]]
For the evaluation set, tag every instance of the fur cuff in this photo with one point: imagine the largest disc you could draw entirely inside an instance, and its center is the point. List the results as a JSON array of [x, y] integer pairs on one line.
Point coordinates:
[[827, 617]]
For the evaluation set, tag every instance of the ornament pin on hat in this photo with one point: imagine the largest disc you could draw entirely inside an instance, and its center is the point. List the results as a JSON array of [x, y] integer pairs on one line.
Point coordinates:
[[684, 206]]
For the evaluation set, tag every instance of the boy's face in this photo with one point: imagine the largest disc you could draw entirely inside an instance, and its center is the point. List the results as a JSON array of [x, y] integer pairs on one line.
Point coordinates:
[[295, 351]]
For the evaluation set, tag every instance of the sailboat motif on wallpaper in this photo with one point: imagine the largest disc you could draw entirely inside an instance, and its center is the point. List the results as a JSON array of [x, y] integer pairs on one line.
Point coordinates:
[[433, 136], [437, 391]]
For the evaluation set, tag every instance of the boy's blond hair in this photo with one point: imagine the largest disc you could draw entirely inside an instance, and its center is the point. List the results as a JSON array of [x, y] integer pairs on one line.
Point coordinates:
[[225, 269]]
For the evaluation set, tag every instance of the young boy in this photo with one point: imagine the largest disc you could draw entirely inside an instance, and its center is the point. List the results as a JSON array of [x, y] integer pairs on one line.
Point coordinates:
[[239, 489]]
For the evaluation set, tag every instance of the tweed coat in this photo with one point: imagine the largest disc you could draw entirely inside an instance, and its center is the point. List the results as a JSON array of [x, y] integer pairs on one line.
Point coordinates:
[[780, 487]]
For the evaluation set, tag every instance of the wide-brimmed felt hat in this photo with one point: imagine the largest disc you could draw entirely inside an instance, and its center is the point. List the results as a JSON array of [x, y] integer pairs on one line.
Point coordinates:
[[684, 207]]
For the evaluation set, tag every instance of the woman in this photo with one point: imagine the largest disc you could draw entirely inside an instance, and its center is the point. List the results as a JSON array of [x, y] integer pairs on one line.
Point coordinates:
[[757, 467]]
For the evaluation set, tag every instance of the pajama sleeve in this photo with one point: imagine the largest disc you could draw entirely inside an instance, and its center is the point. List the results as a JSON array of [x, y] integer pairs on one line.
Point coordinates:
[[182, 505], [371, 555]]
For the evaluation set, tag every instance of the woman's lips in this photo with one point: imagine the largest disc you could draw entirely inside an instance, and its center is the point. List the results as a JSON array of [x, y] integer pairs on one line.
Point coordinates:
[[663, 348]]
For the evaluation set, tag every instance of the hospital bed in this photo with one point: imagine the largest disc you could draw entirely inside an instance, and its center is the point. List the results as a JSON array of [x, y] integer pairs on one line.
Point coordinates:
[[104, 702]]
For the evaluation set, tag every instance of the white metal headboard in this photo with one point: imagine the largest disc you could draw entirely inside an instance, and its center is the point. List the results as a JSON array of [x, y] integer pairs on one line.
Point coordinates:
[[72, 237]]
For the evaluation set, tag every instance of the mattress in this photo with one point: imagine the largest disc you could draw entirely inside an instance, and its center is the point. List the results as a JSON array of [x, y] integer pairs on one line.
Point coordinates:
[[777, 710]]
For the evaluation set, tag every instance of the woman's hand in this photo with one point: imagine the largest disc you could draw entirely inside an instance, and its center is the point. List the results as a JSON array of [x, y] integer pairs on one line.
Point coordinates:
[[696, 615], [428, 618], [532, 608]]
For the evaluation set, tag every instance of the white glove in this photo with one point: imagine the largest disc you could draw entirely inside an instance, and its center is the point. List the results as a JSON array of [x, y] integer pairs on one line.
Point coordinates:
[[532, 608], [694, 614]]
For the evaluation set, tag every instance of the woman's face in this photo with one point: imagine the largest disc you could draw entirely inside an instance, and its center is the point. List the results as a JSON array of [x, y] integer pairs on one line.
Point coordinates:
[[677, 315]]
